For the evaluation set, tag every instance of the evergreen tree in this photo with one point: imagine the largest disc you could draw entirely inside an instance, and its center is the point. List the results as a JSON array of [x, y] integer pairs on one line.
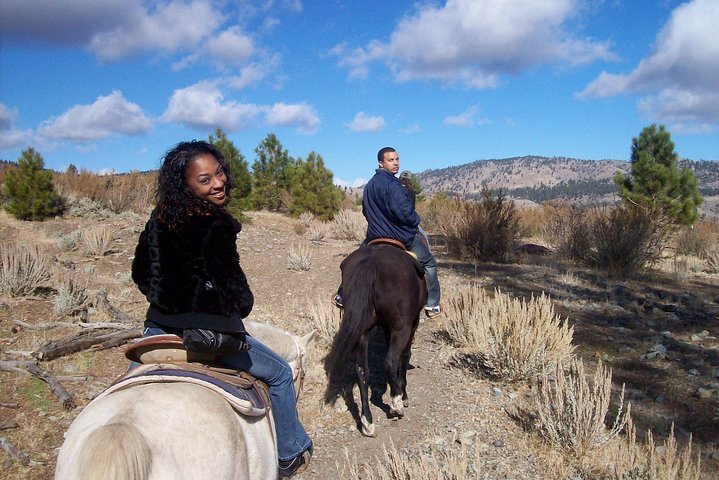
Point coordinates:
[[241, 175], [272, 172], [312, 189], [669, 194], [29, 189]]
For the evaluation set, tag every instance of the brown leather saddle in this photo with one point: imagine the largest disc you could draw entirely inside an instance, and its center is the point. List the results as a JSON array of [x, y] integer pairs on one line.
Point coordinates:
[[165, 358], [394, 243]]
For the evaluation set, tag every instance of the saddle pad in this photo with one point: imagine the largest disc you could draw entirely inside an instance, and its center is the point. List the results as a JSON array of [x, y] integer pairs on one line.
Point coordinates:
[[246, 401]]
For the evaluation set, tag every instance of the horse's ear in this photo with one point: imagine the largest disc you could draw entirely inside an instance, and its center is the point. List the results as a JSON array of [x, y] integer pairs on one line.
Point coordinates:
[[307, 339]]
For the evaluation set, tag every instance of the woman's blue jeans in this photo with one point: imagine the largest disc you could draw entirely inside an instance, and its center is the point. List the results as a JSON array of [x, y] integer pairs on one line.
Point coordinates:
[[420, 247], [265, 364]]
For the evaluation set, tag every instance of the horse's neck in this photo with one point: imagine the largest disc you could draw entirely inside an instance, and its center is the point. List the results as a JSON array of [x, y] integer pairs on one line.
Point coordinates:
[[283, 343]]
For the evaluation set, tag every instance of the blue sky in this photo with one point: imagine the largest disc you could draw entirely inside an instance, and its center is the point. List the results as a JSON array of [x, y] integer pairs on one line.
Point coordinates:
[[113, 84]]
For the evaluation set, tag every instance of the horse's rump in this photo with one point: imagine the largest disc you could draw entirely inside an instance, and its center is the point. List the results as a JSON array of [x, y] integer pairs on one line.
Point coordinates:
[[131, 458]]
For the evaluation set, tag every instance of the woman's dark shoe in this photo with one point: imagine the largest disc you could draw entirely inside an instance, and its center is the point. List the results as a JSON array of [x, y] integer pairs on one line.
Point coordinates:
[[287, 468]]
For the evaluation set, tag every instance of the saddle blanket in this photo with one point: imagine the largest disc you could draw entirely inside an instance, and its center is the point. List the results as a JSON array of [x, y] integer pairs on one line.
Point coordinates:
[[246, 401]]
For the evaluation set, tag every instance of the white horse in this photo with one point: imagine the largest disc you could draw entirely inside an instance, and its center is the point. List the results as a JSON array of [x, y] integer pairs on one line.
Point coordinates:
[[176, 431]]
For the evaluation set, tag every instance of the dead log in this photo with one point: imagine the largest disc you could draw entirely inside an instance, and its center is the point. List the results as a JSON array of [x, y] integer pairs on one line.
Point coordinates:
[[9, 405], [93, 340], [32, 367], [14, 453]]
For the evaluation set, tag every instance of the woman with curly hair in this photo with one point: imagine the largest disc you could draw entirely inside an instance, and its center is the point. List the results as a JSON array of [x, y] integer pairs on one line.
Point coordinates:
[[187, 266]]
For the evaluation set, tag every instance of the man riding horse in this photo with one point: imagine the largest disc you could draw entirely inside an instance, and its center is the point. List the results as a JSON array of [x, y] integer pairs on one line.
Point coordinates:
[[390, 213]]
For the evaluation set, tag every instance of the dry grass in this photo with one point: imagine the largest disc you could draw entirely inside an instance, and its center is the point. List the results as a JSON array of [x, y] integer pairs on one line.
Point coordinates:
[[572, 410], [349, 225], [299, 258], [23, 269], [318, 232], [325, 319], [514, 339], [396, 465], [98, 240], [68, 242], [633, 460]]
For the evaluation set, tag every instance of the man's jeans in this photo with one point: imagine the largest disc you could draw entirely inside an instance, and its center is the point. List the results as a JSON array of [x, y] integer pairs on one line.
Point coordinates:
[[420, 247], [269, 367]]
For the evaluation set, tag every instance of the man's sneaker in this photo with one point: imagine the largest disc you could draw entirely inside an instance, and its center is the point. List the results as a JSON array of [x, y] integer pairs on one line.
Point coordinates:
[[337, 301], [287, 468], [433, 312]]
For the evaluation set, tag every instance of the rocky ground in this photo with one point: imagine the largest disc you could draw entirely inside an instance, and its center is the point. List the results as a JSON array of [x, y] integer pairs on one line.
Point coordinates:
[[658, 333]]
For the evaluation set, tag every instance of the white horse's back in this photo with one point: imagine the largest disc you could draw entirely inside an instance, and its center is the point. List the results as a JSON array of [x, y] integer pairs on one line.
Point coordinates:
[[166, 431], [174, 431]]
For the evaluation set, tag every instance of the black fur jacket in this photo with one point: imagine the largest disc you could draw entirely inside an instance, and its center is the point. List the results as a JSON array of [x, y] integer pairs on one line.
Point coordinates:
[[191, 275]]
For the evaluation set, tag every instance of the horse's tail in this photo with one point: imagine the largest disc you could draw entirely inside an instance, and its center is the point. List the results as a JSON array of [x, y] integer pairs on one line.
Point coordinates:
[[116, 450], [358, 288]]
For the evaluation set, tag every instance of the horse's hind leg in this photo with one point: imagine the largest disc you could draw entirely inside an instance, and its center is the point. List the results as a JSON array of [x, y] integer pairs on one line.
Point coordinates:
[[362, 367], [396, 364]]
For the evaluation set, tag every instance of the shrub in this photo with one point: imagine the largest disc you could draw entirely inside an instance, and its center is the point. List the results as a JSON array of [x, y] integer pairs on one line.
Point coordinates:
[[70, 297], [349, 225], [637, 461], [98, 240], [572, 411], [29, 189], [325, 319], [514, 339], [711, 255], [23, 270], [486, 230], [317, 232], [85, 207], [299, 258], [68, 241]]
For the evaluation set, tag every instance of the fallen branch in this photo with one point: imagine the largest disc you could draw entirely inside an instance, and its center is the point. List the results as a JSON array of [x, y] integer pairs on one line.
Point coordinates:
[[86, 340], [8, 425], [83, 325], [21, 457], [32, 367], [101, 302], [9, 405], [42, 326]]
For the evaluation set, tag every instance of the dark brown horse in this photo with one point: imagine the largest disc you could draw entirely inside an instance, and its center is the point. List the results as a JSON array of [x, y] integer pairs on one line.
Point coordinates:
[[382, 285]]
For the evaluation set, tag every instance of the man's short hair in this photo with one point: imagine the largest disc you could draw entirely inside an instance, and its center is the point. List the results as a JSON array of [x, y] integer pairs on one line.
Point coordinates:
[[382, 151]]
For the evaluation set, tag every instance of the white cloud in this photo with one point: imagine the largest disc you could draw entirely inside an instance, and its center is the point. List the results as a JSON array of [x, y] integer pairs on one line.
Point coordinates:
[[474, 41], [254, 73], [202, 105], [466, 118], [230, 47], [366, 123], [298, 115], [9, 136], [357, 182], [165, 28], [681, 74], [107, 116]]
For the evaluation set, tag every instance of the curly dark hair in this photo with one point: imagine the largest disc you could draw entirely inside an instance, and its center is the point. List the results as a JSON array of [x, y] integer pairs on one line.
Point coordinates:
[[175, 201]]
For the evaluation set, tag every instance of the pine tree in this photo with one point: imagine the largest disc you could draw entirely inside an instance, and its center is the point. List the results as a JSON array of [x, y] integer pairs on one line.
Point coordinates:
[[312, 189], [241, 175], [668, 193], [29, 189], [272, 172]]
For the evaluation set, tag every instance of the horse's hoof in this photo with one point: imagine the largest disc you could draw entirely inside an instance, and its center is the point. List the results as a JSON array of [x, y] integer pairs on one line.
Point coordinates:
[[396, 406], [405, 402], [367, 428]]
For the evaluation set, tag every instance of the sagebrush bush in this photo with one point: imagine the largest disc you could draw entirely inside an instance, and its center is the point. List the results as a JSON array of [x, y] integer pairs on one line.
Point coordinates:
[[348, 225], [299, 258], [85, 207], [98, 240], [68, 241], [484, 230], [695, 239], [70, 297], [318, 232], [635, 461], [711, 255], [572, 410], [513, 338], [23, 269], [325, 319], [114, 192]]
